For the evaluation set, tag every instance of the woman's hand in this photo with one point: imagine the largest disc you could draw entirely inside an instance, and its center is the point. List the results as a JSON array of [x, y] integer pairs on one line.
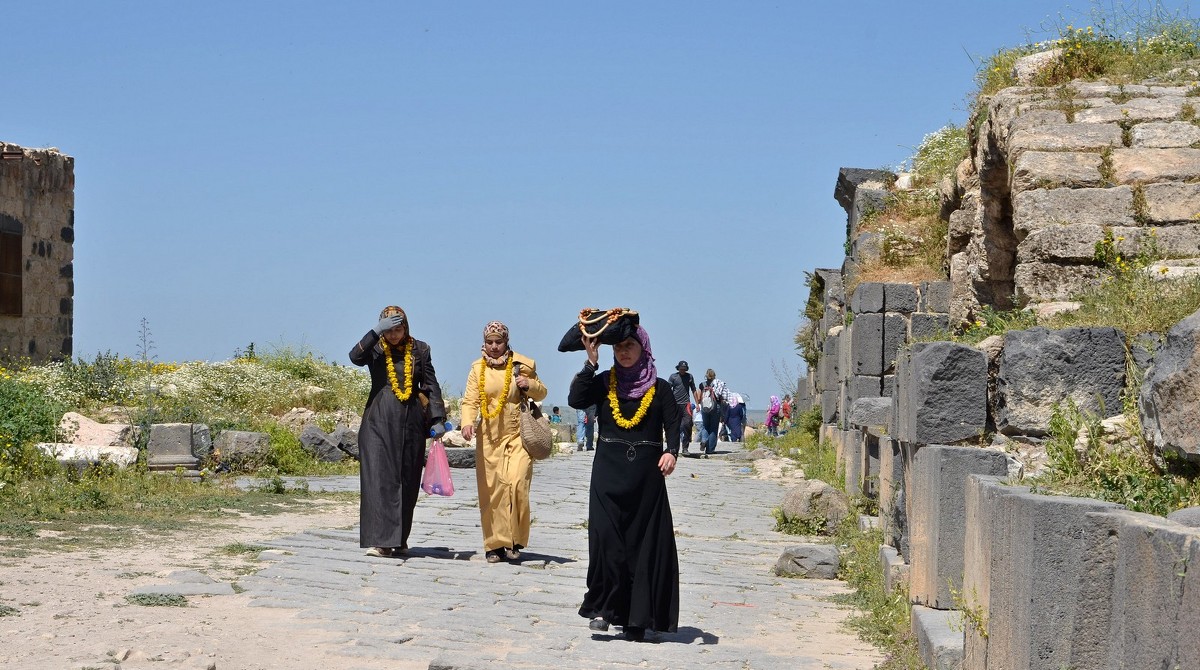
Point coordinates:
[[592, 346], [468, 432], [523, 382], [666, 463]]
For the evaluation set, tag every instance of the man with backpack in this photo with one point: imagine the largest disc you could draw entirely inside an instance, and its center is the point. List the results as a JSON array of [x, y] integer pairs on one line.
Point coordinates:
[[713, 394]]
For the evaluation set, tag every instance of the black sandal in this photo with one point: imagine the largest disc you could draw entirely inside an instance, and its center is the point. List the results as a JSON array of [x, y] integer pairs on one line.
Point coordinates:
[[598, 624]]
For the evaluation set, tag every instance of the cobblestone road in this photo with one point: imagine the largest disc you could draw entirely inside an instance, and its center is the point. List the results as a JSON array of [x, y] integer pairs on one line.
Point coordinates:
[[444, 607]]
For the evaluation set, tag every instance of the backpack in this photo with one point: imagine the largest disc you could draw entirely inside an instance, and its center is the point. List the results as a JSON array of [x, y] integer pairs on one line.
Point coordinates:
[[708, 399]]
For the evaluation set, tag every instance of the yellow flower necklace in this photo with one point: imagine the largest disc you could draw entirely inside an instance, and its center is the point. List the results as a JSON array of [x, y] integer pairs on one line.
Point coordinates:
[[616, 409], [391, 368], [483, 399]]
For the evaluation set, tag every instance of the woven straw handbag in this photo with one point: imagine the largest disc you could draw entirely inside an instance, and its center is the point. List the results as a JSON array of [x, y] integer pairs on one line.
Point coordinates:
[[536, 436]]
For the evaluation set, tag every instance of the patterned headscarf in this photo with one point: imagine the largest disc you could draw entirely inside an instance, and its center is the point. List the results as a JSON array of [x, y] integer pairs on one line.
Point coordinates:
[[392, 309], [734, 400], [774, 405], [634, 381], [496, 328]]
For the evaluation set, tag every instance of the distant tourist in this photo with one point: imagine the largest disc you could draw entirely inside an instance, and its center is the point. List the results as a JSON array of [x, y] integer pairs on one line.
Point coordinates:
[[403, 406], [736, 417], [785, 409], [633, 569], [585, 428], [503, 469], [712, 394], [555, 417], [774, 416], [683, 386]]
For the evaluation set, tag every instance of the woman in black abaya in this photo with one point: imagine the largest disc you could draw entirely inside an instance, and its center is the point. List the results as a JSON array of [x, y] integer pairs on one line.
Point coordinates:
[[405, 403], [633, 571]]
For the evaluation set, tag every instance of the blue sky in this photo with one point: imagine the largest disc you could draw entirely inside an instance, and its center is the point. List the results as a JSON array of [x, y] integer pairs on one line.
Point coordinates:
[[277, 173]]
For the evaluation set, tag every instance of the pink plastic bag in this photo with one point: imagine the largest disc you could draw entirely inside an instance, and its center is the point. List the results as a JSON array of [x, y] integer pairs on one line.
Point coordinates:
[[436, 480]]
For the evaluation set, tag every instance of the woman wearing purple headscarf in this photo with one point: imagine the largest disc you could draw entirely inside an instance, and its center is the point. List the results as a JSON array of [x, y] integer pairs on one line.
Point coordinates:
[[633, 570]]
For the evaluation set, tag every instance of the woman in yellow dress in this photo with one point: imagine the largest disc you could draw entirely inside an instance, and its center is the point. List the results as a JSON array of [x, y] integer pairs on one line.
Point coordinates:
[[503, 468]]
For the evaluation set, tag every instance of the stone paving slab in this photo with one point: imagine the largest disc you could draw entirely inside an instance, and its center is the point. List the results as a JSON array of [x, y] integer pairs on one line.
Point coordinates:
[[444, 606]]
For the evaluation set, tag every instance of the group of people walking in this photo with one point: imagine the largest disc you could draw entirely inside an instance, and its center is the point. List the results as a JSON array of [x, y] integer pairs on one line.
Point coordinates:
[[717, 411], [633, 571]]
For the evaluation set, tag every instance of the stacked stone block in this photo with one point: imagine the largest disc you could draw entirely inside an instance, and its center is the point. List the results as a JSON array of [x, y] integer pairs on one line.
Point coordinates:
[[37, 203]]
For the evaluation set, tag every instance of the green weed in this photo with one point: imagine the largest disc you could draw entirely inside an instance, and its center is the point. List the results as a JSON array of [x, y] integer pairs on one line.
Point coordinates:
[[157, 599]]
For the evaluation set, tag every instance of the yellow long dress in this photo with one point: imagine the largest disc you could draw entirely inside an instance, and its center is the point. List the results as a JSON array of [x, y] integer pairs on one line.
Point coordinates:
[[503, 468]]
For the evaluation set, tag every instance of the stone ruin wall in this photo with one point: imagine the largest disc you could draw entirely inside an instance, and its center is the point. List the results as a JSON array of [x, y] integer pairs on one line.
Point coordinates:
[[1050, 581], [37, 196], [1051, 169]]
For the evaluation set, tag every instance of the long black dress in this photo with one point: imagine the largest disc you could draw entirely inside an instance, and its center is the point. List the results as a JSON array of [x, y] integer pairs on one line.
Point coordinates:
[[391, 442], [633, 570]]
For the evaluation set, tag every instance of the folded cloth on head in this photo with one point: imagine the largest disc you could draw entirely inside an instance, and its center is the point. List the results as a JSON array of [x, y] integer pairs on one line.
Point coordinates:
[[610, 326]]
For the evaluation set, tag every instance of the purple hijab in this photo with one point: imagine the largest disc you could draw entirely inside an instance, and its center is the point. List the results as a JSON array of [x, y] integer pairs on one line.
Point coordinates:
[[633, 382]]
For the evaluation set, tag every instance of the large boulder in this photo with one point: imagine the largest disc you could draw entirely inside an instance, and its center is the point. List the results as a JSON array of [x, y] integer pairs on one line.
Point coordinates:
[[1169, 403], [241, 445], [76, 428], [316, 442], [346, 439], [809, 561], [1040, 368], [81, 455], [813, 501]]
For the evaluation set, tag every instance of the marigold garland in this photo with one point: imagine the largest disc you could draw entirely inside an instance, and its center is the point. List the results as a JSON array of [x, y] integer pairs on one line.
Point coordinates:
[[391, 370], [647, 398], [483, 399]]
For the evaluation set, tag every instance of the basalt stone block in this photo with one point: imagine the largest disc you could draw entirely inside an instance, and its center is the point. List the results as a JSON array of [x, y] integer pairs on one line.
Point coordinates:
[[939, 640], [937, 517], [239, 444], [317, 443], [888, 388], [893, 517], [170, 446], [895, 334], [853, 456], [829, 366], [869, 297], [346, 439], [1040, 367], [871, 412], [900, 298], [829, 406], [834, 288], [861, 387], [849, 179], [1169, 403], [941, 394], [1031, 568], [867, 201], [895, 570], [1143, 603], [935, 297], [928, 326], [866, 345]]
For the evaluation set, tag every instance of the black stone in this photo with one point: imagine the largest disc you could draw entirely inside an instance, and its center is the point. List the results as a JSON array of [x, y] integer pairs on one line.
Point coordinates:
[[67, 271], [41, 249], [64, 306], [32, 347], [67, 234]]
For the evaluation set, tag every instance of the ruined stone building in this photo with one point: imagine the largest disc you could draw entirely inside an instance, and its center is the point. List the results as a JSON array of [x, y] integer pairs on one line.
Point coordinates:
[[37, 234]]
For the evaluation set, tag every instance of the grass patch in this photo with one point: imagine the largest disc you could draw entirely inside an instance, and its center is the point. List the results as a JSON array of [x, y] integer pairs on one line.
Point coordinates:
[[157, 599], [912, 240], [1132, 475], [881, 618], [1122, 44], [5, 610], [104, 508], [242, 549]]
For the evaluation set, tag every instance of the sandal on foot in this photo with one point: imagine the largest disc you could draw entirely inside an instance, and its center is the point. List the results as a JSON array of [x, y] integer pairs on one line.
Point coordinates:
[[512, 553], [598, 624], [381, 552], [493, 556]]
